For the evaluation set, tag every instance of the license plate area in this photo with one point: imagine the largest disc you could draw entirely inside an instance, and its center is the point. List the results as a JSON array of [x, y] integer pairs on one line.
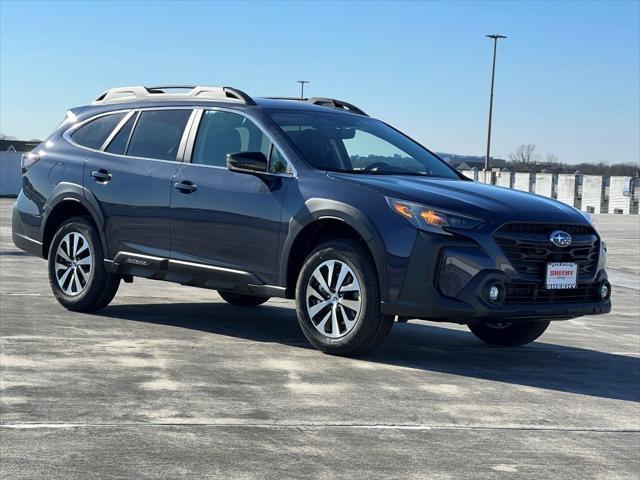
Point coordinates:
[[561, 275]]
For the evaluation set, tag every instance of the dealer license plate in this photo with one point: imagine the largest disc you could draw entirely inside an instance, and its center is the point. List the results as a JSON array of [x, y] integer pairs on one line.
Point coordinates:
[[561, 275]]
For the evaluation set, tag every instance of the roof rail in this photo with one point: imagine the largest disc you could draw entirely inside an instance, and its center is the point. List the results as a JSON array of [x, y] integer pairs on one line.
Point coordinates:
[[326, 102], [339, 104], [141, 93]]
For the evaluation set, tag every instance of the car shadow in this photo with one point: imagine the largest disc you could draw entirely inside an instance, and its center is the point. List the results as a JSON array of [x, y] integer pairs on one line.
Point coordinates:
[[425, 347]]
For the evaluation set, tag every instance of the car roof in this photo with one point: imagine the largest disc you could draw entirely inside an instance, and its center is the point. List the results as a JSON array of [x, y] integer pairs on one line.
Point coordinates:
[[188, 95]]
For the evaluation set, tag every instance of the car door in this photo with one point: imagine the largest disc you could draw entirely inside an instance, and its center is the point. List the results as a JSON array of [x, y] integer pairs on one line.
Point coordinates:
[[131, 179], [223, 218]]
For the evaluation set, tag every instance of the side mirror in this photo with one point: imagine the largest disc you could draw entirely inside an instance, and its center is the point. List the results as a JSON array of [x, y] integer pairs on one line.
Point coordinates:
[[247, 162]]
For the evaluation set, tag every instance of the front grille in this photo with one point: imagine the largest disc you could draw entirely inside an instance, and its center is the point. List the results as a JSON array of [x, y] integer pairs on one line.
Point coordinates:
[[527, 293], [543, 228], [528, 249]]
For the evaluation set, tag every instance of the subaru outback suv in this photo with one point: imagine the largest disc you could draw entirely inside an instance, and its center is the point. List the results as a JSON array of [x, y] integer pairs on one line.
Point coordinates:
[[307, 199]]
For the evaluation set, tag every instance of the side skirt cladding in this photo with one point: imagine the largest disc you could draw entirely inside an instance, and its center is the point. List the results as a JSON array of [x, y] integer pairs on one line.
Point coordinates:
[[191, 274]]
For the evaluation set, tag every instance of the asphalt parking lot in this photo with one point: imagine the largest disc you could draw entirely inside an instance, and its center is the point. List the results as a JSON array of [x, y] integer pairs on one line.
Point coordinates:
[[171, 382]]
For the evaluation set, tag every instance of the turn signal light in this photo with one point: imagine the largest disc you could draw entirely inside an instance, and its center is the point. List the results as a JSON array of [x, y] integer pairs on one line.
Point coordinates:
[[432, 218], [403, 210]]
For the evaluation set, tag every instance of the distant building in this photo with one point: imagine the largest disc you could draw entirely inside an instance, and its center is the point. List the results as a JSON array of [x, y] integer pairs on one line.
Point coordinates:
[[20, 146], [468, 162], [465, 166]]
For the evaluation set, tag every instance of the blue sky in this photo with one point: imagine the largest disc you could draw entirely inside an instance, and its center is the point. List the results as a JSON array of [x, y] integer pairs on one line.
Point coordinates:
[[568, 76]]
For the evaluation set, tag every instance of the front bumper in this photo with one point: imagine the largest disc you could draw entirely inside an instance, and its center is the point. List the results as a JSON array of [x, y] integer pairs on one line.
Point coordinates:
[[477, 264]]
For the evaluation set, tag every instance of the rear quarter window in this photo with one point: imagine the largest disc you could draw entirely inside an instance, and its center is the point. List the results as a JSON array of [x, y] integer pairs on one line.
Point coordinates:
[[119, 143], [94, 133]]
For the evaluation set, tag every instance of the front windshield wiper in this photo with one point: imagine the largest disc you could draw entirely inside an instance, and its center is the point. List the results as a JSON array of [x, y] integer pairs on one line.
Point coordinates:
[[385, 172], [415, 174]]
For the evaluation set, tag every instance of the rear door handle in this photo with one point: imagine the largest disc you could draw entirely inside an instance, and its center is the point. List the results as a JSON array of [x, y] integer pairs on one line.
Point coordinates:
[[185, 187], [101, 175]]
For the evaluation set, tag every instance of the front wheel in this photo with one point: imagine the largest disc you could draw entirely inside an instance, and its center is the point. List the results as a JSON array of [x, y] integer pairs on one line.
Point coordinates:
[[507, 334], [338, 300]]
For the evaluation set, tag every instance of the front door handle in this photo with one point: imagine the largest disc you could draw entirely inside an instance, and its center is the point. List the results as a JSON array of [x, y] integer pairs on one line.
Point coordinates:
[[101, 175], [185, 187]]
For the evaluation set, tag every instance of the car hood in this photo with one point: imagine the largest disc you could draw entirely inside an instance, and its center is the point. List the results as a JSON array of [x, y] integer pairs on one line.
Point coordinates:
[[488, 202]]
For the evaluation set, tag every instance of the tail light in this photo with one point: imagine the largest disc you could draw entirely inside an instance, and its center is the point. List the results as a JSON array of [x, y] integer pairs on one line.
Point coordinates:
[[29, 159]]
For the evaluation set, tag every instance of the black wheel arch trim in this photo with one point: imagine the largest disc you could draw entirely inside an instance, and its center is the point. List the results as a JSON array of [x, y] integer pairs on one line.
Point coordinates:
[[72, 192], [317, 209]]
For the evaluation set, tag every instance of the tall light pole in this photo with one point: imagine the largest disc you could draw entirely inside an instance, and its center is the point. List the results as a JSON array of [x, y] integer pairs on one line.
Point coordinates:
[[302, 82], [495, 38]]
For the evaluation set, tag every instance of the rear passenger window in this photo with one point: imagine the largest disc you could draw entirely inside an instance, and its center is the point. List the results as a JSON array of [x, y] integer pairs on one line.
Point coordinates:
[[158, 134], [119, 143], [94, 133]]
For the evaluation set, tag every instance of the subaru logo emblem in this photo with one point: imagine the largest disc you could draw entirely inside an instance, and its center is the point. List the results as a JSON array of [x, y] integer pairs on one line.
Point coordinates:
[[560, 238]]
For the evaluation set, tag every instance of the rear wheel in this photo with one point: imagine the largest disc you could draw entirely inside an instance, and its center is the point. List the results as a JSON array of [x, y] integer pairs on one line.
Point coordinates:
[[509, 334], [338, 300], [77, 275], [242, 300]]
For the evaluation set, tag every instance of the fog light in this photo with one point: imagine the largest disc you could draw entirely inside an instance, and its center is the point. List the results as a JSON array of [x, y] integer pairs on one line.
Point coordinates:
[[605, 290], [496, 293]]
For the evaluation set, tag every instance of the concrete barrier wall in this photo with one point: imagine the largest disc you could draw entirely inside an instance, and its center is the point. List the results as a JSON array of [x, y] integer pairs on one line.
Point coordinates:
[[522, 181], [621, 191], [546, 184], [592, 194], [485, 176], [504, 179], [10, 175], [568, 189]]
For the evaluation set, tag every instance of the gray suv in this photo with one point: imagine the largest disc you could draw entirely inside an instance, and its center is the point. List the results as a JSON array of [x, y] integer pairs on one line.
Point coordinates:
[[309, 199]]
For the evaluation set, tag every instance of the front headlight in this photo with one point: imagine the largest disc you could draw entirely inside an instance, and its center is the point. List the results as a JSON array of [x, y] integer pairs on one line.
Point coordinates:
[[431, 219]]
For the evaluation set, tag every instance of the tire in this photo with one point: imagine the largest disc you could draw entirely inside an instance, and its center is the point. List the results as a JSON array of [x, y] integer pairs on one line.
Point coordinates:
[[509, 334], [242, 300], [353, 297], [96, 287]]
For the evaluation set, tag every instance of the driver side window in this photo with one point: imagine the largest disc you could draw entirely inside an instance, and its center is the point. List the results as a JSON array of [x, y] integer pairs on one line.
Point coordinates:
[[221, 133]]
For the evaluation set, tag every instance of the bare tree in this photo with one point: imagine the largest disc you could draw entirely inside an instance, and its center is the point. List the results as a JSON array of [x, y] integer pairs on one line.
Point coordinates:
[[525, 154], [6, 137], [552, 159]]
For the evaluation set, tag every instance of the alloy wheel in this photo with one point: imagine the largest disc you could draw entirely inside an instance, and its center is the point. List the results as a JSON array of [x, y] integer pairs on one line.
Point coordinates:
[[334, 298], [73, 264]]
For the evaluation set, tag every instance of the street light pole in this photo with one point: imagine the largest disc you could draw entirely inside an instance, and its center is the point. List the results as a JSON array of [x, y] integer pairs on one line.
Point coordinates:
[[302, 82], [495, 38]]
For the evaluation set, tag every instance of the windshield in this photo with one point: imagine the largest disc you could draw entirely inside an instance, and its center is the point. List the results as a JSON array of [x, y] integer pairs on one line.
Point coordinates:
[[355, 144]]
